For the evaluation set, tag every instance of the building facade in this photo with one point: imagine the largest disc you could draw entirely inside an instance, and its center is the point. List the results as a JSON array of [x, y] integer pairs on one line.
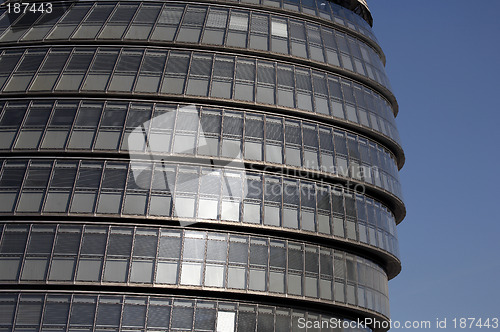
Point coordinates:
[[196, 166]]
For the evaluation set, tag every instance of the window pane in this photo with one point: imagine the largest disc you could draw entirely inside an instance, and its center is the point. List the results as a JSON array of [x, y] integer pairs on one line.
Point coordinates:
[[89, 270], [62, 269], [236, 277], [166, 273], [214, 276], [191, 273], [34, 269], [116, 270], [142, 271]]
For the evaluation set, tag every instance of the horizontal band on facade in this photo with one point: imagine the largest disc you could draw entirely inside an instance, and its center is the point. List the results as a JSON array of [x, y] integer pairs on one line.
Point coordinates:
[[190, 260], [157, 311], [236, 105]]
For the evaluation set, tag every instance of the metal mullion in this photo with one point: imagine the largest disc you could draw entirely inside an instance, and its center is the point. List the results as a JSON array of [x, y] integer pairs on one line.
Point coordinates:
[[138, 73], [180, 262], [103, 24], [129, 169], [127, 28], [3, 230], [173, 191], [21, 188], [162, 77], [46, 127], [211, 76], [46, 190], [148, 304], [226, 28], [70, 308], [204, 265], [124, 130], [129, 269], [97, 304], [23, 257], [199, 129], [149, 193], [23, 120], [17, 66], [82, 22], [59, 77], [44, 306], [70, 130], [330, 218], [16, 310], [247, 266], [179, 26], [111, 73], [98, 126], [203, 28], [155, 261], [77, 26], [156, 23], [73, 189], [73, 125], [99, 188], [51, 255], [226, 263], [78, 254], [105, 256], [197, 195], [88, 70], [313, 99]]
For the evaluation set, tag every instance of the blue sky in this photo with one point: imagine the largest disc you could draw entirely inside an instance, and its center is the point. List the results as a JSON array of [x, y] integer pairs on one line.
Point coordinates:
[[443, 60]]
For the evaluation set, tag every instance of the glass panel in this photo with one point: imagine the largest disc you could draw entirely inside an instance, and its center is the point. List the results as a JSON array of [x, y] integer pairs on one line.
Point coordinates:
[[166, 273], [10, 268], [116, 270], [142, 271], [191, 274], [62, 269], [214, 275], [236, 277], [34, 269]]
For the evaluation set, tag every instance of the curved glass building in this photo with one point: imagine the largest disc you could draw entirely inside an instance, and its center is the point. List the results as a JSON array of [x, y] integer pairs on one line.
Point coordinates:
[[196, 166]]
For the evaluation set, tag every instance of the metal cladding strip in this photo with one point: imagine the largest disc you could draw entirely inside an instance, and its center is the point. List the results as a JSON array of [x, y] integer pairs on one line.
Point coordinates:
[[90, 308], [186, 260]]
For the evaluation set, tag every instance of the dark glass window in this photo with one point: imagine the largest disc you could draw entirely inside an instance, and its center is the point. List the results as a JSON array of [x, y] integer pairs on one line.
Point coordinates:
[[80, 61], [178, 63], [105, 61], [114, 176], [83, 311], [55, 61], [93, 243], [64, 115], [31, 62], [100, 13], [238, 252], [170, 247], [8, 62], [88, 176], [120, 244], [145, 246], [129, 61], [38, 115], [124, 13], [14, 242], [12, 117]]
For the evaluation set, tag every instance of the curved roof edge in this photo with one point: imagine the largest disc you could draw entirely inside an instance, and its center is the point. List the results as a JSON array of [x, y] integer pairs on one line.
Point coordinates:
[[359, 7]]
